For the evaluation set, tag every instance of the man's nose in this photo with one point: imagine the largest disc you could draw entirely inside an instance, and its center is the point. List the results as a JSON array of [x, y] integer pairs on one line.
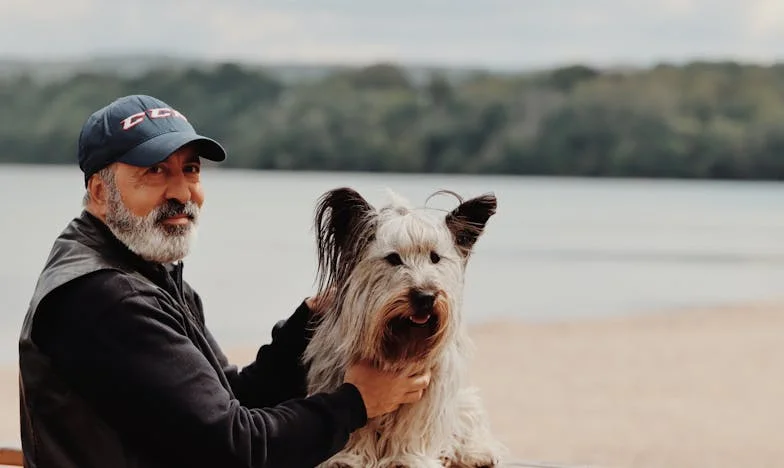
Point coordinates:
[[178, 188]]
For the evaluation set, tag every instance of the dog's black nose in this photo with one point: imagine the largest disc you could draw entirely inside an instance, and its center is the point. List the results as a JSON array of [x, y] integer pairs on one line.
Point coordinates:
[[422, 300]]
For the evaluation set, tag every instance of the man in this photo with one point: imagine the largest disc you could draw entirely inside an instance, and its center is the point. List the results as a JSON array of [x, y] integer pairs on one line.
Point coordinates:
[[117, 368]]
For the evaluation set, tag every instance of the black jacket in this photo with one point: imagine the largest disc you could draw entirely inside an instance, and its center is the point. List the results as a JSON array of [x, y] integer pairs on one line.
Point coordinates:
[[117, 369]]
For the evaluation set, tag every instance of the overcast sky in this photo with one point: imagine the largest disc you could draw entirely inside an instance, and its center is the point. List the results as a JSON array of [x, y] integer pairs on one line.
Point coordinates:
[[493, 33]]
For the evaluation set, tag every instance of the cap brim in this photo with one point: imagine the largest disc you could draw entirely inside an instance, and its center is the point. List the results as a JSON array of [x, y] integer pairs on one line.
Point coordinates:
[[158, 148]]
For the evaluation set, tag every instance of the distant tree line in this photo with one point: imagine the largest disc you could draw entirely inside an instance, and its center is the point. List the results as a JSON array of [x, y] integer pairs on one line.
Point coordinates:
[[699, 120]]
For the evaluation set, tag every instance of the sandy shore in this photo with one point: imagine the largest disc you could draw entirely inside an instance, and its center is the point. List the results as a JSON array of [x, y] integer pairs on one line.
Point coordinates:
[[701, 388]]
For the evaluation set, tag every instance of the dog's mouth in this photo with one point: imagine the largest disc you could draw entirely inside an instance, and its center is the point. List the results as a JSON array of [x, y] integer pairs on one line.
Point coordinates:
[[421, 319], [422, 307], [414, 326]]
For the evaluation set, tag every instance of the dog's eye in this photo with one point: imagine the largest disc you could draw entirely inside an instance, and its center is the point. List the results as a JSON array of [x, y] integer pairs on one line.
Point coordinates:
[[394, 259], [434, 257]]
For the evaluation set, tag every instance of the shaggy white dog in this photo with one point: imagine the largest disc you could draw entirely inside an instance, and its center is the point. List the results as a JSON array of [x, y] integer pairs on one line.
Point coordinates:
[[397, 274]]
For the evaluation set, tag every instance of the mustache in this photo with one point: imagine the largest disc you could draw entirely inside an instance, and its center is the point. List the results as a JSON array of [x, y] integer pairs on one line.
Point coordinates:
[[173, 208]]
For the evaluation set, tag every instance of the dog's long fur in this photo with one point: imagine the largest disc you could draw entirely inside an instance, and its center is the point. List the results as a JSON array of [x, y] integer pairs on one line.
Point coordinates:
[[366, 320]]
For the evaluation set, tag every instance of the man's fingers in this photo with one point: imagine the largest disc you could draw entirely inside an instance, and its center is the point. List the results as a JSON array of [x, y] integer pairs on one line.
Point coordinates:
[[415, 369], [420, 382], [413, 396], [321, 301]]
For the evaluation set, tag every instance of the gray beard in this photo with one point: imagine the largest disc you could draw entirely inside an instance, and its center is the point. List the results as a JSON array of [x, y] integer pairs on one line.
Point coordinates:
[[147, 236]]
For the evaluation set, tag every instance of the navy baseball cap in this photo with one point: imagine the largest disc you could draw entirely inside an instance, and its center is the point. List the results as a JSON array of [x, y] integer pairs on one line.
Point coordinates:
[[138, 130]]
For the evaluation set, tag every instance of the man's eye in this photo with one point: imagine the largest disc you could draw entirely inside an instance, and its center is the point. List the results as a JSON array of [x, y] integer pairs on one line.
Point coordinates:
[[155, 170], [193, 169]]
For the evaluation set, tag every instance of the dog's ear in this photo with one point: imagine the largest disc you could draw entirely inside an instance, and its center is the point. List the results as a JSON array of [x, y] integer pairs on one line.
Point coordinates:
[[467, 221], [345, 225]]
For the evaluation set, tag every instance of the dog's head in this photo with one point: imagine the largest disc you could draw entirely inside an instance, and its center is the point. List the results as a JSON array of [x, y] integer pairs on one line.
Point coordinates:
[[397, 272]]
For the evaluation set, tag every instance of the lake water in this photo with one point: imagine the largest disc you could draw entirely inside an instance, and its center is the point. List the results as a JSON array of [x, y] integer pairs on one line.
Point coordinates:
[[557, 249]]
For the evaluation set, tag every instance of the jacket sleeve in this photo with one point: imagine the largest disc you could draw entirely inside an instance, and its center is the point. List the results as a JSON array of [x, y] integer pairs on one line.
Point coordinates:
[[279, 361], [130, 356]]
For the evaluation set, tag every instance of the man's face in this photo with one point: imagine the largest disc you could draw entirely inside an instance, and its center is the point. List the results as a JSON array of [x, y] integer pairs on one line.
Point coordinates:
[[155, 210]]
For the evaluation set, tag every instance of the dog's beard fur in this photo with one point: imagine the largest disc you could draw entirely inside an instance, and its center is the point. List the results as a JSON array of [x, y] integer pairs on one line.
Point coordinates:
[[147, 236], [399, 340], [388, 335], [369, 320]]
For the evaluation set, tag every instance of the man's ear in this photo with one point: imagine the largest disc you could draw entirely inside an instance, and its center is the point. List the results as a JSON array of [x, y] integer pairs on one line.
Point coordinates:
[[467, 221], [99, 195]]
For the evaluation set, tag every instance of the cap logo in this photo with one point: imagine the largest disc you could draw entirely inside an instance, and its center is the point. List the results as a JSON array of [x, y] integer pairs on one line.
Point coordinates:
[[157, 113]]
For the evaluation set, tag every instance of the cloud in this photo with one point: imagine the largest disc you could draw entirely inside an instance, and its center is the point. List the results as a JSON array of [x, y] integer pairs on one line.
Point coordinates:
[[15, 11], [765, 19], [509, 33]]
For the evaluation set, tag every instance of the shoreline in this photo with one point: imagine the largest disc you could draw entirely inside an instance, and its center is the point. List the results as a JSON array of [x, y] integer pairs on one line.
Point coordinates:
[[676, 388]]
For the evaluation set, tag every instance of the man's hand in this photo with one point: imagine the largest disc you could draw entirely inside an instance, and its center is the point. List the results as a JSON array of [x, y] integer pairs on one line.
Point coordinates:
[[383, 392], [320, 303]]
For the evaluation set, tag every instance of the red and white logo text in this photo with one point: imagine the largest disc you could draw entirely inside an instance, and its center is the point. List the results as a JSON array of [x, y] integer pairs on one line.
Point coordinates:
[[157, 113]]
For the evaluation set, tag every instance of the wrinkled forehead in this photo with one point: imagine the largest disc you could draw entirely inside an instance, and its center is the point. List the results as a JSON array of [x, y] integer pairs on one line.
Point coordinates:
[[407, 230]]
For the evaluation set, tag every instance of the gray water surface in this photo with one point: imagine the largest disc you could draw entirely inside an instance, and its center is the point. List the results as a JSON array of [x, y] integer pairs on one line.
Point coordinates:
[[557, 249]]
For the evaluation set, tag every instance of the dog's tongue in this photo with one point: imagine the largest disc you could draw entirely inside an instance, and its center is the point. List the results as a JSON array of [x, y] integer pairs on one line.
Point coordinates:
[[419, 319]]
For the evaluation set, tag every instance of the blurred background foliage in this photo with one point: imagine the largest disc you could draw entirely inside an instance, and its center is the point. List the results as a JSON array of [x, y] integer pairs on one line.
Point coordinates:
[[697, 120]]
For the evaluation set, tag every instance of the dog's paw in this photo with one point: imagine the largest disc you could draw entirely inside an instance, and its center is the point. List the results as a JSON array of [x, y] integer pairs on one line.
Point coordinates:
[[476, 456], [336, 464], [345, 460], [411, 461], [448, 463]]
